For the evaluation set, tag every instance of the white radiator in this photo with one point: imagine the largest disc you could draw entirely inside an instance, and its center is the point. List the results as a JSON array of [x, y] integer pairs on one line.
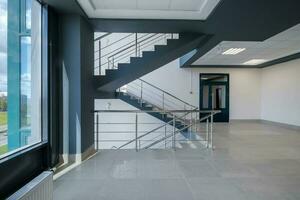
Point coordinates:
[[40, 188]]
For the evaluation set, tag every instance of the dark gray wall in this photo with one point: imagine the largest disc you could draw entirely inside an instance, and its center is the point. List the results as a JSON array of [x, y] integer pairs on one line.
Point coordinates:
[[87, 71], [70, 61], [77, 58]]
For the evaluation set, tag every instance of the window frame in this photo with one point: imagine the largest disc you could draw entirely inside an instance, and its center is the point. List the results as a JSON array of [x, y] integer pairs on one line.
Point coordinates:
[[29, 161]]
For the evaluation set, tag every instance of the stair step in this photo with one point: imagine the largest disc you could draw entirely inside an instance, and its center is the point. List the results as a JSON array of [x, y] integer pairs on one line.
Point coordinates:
[[159, 47], [147, 53], [123, 65], [111, 72], [150, 61]]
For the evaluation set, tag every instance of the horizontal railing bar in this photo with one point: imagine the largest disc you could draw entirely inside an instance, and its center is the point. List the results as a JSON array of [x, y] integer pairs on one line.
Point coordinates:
[[156, 111], [134, 131], [133, 45], [166, 92], [116, 41], [145, 134], [178, 131], [102, 36], [107, 55], [156, 96], [148, 140], [132, 49], [128, 123]]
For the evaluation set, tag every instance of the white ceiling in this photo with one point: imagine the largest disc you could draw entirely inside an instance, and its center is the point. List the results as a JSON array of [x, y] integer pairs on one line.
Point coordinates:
[[281, 45], [149, 9]]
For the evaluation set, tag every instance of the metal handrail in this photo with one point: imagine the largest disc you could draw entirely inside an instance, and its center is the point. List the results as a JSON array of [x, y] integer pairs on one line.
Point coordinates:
[[133, 45], [121, 46], [141, 47], [145, 93], [102, 36], [178, 131], [167, 93], [139, 43], [149, 132], [171, 122], [155, 111], [127, 54], [116, 41], [131, 50]]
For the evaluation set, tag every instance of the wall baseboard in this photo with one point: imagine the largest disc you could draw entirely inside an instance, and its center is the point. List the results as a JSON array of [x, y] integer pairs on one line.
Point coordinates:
[[244, 120], [283, 125]]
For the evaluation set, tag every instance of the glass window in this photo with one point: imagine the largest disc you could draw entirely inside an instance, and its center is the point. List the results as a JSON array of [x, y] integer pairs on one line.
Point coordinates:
[[28, 5], [214, 78], [20, 74], [219, 97], [205, 97]]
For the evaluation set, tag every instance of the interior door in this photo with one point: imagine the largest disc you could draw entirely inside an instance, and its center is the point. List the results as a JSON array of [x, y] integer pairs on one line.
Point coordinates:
[[214, 95]]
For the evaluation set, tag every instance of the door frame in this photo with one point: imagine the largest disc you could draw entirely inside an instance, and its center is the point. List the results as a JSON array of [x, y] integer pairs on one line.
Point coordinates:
[[227, 84]]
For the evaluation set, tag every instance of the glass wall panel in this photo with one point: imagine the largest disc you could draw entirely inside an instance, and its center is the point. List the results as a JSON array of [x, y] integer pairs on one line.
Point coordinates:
[[20, 74]]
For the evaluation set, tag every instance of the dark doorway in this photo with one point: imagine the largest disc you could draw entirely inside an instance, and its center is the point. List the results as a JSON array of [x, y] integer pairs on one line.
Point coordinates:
[[214, 95]]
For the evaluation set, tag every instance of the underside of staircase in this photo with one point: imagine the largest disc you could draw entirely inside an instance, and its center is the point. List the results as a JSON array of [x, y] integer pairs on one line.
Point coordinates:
[[180, 124], [136, 102], [150, 61]]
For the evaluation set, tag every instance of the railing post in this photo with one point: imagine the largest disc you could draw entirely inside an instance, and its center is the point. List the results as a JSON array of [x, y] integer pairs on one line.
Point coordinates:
[[196, 126], [165, 135], [139, 144], [163, 101], [141, 100], [211, 130], [207, 135], [191, 124], [97, 131], [136, 44], [139, 51], [99, 57], [173, 133], [113, 62], [184, 108], [108, 64], [136, 132]]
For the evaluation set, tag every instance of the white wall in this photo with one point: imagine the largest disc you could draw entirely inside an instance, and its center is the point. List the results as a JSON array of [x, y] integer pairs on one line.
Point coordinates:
[[280, 93], [245, 96]]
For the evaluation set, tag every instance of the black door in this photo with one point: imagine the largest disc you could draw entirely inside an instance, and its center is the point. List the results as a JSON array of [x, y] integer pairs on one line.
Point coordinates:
[[214, 95]]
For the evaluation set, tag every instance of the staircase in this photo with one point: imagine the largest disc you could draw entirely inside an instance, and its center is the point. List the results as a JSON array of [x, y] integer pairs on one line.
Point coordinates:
[[146, 96], [121, 61], [134, 59]]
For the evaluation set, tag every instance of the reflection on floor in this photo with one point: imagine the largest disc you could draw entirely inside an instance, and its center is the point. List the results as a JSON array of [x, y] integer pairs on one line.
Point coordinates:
[[251, 161]]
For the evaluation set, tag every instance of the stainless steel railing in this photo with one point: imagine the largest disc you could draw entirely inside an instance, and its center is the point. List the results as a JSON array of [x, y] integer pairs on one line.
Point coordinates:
[[138, 137], [151, 95], [124, 46]]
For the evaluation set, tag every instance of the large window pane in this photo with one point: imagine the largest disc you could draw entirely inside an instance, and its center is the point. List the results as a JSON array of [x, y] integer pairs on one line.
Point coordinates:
[[3, 76], [20, 74], [28, 4]]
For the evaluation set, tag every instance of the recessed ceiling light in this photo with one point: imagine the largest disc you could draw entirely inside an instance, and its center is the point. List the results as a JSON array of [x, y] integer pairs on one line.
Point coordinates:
[[254, 61], [233, 51]]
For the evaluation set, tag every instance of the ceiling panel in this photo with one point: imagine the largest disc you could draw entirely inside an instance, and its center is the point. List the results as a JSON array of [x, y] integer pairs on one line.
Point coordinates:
[[149, 9], [114, 4], [187, 5], [153, 4], [281, 45]]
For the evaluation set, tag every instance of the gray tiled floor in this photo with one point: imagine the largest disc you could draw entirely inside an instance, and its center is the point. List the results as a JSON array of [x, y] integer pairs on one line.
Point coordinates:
[[251, 161]]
